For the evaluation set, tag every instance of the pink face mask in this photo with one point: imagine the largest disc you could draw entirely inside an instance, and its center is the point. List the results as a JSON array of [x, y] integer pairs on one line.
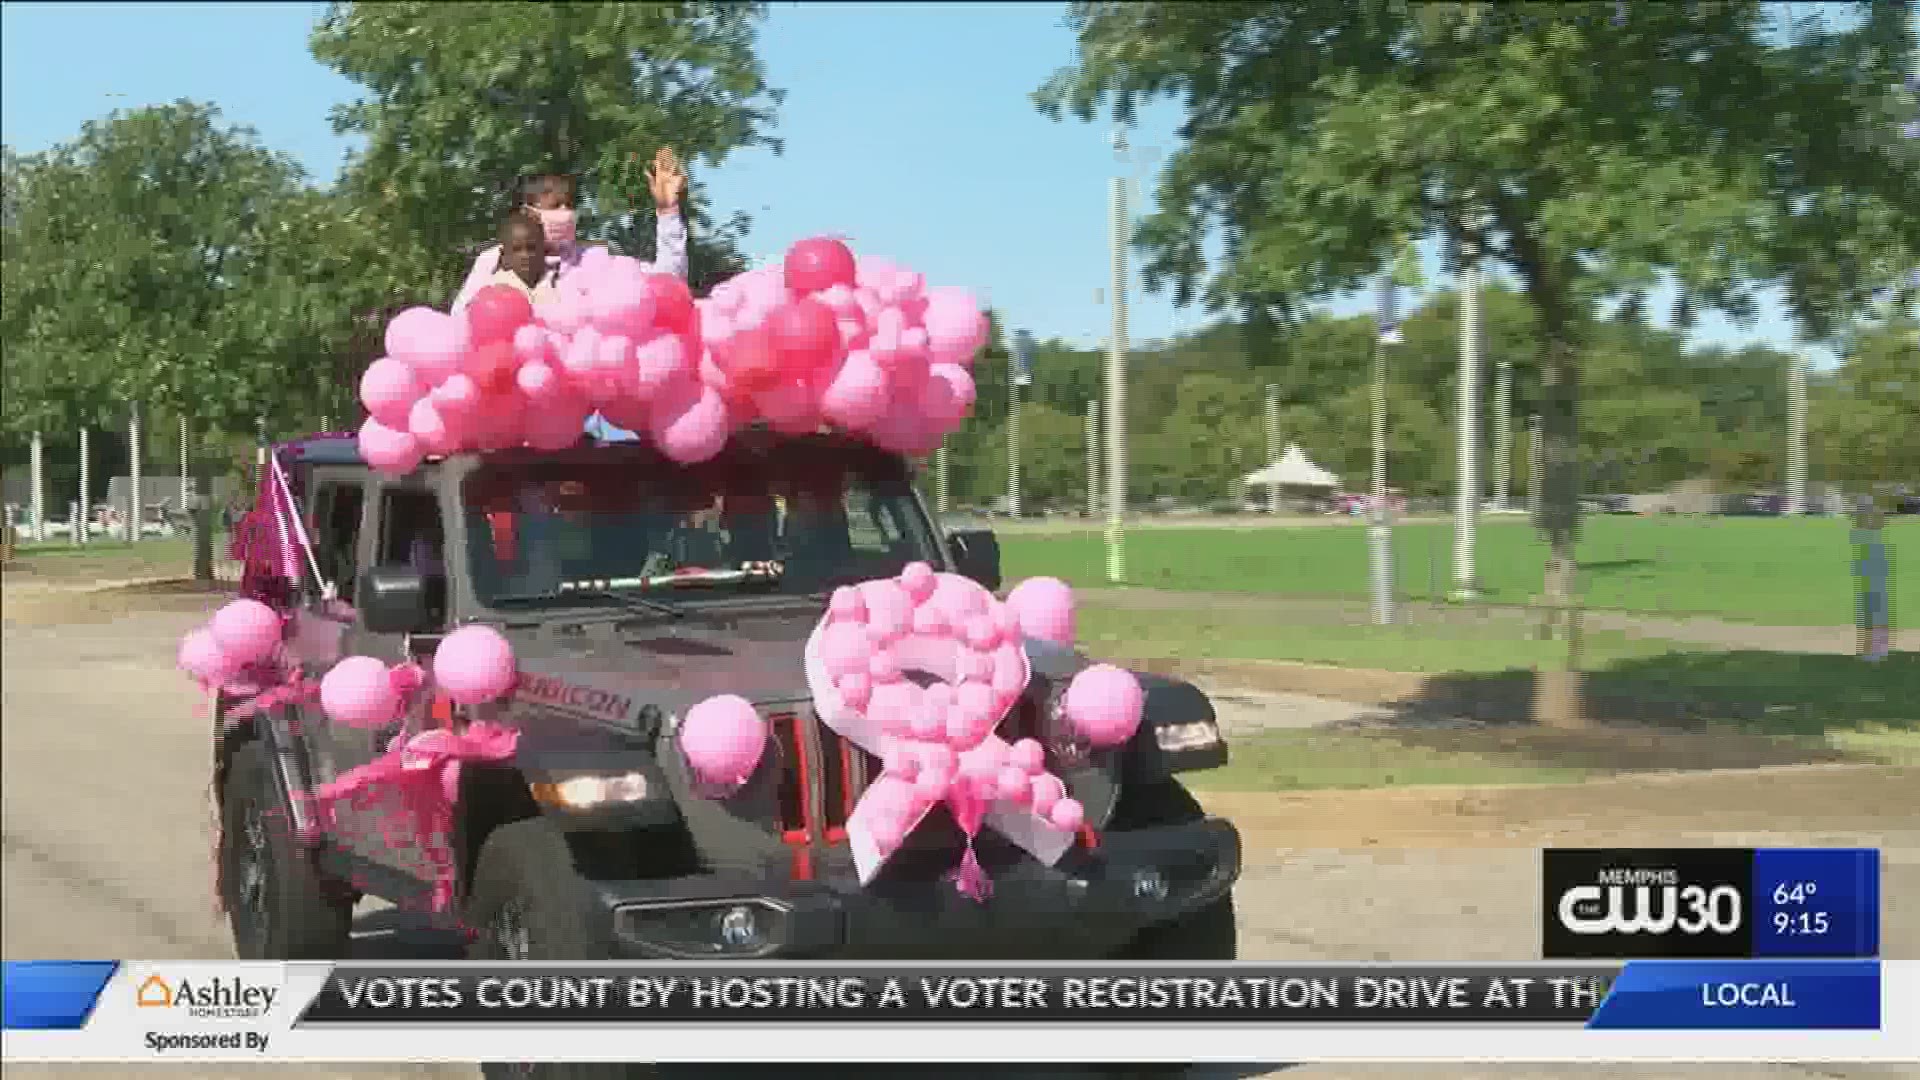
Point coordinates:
[[558, 226]]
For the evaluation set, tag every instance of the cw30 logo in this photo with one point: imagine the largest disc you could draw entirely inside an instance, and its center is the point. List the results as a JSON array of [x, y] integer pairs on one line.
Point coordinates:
[[1693, 909]]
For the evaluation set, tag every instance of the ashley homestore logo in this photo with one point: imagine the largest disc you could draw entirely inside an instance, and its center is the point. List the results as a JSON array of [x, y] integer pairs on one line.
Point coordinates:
[[207, 999]]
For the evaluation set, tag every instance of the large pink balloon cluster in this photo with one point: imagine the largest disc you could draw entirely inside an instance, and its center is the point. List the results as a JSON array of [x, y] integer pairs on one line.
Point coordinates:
[[920, 670], [856, 343], [235, 648], [822, 339]]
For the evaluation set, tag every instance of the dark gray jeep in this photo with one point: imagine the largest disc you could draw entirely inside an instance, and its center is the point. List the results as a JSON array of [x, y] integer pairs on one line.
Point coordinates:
[[631, 587]]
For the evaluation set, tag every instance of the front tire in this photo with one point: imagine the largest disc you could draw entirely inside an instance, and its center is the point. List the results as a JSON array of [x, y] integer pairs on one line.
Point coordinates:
[[529, 902], [1207, 934], [278, 904]]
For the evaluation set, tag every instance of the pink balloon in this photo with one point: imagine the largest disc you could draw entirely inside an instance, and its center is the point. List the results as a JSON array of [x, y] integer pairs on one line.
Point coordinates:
[[856, 689], [1104, 704], [689, 422], [566, 313], [805, 336], [1067, 815], [530, 344], [844, 648], [820, 262], [458, 396], [247, 631], [903, 430], [1010, 670], [389, 451], [956, 328], [883, 666], [723, 739], [499, 421], [1048, 790], [555, 424], [846, 604], [975, 667], [359, 692], [538, 381], [388, 390], [614, 353], [948, 394], [981, 634], [789, 405], [928, 622], [889, 609], [976, 700], [201, 657], [429, 428], [891, 705], [1028, 756], [660, 362], [1012, 786], [856, 397], [1044, 606], [474, 665], [580, 360], [620, 302], [918, 579], [431, 342]]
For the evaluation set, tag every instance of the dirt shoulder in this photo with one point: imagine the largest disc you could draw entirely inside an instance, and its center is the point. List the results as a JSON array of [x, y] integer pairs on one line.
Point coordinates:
[[1659, 809]]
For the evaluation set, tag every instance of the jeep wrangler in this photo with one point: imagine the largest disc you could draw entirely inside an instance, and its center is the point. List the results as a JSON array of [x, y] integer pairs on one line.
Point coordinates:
[[630, 588]]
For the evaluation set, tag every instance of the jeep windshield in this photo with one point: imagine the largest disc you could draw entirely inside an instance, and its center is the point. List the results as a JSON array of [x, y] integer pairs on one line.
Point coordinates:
[[621, 526]]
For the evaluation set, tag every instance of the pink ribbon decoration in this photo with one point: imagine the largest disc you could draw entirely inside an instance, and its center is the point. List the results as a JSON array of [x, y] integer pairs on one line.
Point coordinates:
[[937, 741], [422, 771]]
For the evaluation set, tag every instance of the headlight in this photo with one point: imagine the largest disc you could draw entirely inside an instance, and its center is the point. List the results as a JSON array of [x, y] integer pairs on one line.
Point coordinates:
[[591, 792], [1198, 735]]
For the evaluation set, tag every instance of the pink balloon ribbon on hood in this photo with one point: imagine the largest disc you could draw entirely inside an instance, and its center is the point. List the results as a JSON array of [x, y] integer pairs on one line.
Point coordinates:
[[423, 771]]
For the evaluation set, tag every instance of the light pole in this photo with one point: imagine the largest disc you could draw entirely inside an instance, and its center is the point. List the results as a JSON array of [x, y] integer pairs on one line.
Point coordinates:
[[1273, 444], [1093, 457], [1115, 413], [186, 481], [81, 532], [1467, 490], [1536, 468], [1503, 437], [940, 485], [133, 474], [1796, 435], [1379, 532], [37, 476], [1018, 359]]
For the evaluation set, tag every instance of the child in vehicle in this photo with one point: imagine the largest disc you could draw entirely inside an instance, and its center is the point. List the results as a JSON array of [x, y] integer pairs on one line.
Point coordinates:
[[523, 256]]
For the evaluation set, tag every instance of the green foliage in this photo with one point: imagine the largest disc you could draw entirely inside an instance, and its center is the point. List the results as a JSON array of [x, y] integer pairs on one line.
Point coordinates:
[[462, 98], [1588, 154], [136, 270]]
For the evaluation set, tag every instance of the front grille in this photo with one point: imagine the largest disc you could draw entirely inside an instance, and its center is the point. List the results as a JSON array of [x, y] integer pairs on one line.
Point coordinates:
[[822, 776]]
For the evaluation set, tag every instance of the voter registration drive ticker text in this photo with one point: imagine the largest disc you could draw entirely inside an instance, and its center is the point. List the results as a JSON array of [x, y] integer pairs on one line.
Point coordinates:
[[1648, 955]]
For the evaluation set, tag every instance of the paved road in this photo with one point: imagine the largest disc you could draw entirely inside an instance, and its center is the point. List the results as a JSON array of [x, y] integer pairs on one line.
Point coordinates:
[[105, 854]]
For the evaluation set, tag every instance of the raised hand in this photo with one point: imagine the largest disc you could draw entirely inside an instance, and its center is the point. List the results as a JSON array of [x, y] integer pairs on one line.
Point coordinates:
[[666, 180]]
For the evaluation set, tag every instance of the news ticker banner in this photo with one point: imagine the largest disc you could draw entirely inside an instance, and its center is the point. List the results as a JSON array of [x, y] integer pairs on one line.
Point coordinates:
[[1710, 903], [1653, 1010]]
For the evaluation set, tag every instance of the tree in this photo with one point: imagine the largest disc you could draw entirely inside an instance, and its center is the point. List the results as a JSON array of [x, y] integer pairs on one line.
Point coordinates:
[[1589, 150], [462, 98], [1865, 421]]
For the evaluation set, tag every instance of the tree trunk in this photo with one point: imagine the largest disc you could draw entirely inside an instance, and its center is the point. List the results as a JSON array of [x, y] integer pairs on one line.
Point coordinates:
[[1558, 699], [202, 512]]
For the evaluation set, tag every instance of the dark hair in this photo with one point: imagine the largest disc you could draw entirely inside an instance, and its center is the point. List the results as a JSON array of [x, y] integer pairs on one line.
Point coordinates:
[[515, 218]]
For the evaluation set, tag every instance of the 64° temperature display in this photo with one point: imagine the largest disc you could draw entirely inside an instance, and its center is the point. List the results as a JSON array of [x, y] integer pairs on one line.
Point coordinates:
[[1816, 902]]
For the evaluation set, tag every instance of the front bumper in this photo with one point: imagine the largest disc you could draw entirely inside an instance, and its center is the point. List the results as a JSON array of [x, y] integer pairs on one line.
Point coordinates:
[[1088, 905]]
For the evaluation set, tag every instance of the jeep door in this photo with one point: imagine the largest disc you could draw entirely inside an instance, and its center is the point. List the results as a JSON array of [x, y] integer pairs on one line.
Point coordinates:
[[403, 530]]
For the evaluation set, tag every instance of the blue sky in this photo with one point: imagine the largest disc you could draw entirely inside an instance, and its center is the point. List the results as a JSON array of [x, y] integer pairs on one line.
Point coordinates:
[[908, 130]]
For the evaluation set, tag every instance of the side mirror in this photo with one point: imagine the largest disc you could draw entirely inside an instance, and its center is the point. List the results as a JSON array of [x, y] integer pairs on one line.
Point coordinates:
[[976, 555], [393, 600]]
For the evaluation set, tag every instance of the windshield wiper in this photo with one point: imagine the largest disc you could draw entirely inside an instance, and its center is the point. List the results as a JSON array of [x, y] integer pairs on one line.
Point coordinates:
[[639, 604]]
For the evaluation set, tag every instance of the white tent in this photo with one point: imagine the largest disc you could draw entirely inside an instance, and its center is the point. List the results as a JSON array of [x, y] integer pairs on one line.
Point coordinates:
[[1292, 470]]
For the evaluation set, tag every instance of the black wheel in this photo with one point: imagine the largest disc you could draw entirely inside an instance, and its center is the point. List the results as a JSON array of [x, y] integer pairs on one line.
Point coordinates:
[[1209, 933], [1206, 934], [529, 902], [279, 905]]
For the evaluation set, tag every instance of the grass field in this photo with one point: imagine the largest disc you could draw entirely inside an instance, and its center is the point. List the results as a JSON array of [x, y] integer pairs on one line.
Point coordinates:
[[1781, 571]]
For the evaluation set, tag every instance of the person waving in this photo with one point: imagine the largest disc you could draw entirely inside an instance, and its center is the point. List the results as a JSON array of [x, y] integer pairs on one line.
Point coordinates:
[[550, 198]]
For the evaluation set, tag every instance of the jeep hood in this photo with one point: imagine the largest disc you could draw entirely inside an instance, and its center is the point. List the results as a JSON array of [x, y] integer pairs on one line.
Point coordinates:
[[609, 674]]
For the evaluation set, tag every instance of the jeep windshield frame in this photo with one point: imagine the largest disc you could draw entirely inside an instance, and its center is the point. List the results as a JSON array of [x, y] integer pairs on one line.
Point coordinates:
[[601, 528]]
